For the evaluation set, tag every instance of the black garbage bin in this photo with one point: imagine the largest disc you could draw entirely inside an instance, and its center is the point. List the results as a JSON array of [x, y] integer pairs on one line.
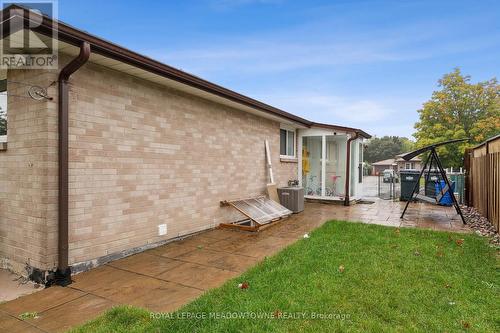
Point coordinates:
[[408, 178], [431, 177]]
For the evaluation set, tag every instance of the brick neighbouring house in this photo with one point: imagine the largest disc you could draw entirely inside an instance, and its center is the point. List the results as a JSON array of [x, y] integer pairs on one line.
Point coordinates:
[[147, 144], [396, 164]]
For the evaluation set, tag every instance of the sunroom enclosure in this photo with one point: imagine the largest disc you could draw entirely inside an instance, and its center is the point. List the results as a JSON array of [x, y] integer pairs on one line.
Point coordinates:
[[322, 164]]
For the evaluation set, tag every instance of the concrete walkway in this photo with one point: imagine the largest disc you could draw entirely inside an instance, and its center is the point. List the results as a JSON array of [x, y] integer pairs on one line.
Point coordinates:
[[165, 278], [14, 286]]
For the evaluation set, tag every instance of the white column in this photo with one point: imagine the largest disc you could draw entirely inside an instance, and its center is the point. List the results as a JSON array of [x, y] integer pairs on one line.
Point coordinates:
[[299, 155], [323, 164]]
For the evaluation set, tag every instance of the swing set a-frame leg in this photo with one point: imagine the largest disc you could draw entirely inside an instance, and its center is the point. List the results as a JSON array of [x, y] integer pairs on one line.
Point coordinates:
[[443, 175]]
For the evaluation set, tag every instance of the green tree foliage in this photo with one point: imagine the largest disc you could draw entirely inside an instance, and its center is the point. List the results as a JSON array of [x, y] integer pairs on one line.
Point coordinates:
[[460, 109], [378, 149]]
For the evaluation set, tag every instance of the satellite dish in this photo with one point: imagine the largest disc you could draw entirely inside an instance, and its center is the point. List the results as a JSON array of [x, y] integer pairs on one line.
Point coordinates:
[[38, 93]]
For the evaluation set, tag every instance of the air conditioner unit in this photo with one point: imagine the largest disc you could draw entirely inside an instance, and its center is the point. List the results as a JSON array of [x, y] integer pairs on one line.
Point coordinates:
[[292, 198]]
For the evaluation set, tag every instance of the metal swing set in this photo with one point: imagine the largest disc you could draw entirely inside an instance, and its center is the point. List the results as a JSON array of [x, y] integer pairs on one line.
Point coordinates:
[[432, 159]]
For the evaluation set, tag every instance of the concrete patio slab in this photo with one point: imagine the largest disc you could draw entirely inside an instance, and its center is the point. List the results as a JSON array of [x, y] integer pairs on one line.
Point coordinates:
[[166, 297], [221, 260], [14, 286], [165, 278], [173, 250], [198, 276], [12, 324], [41, 301], [146, 263], [73, 313]]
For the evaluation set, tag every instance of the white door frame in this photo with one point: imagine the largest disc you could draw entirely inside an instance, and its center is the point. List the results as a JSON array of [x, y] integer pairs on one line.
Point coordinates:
[[323, 133]]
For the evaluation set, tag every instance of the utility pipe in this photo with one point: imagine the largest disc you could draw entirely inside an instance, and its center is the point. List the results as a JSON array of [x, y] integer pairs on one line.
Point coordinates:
[[348, 168], [63, 272]]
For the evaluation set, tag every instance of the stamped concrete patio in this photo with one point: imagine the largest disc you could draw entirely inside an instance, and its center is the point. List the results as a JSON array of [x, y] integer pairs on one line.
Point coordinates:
[[165, 278]]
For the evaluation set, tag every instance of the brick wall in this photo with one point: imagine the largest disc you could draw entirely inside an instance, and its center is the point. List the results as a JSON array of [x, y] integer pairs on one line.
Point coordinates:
[[142, 154], [28, 177]]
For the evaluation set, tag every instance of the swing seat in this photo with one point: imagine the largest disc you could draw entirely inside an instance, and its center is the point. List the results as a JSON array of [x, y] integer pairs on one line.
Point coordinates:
[[434, 200], [425, 198]]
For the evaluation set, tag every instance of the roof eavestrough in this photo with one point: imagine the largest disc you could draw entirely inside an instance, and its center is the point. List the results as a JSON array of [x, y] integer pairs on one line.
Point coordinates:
[[343, 128]]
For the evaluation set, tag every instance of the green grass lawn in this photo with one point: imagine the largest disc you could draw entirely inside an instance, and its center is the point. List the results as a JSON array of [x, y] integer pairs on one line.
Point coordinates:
[[392, 280]]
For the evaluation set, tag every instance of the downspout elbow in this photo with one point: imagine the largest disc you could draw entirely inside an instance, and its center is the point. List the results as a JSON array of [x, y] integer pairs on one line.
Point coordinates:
[[76, 63], [63, 273], [348, 168]]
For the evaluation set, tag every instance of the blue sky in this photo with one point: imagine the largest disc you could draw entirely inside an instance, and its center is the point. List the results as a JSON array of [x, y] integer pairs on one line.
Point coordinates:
[[365, 64]]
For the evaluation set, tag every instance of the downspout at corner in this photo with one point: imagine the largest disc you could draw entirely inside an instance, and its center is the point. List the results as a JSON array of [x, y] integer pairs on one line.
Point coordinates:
[[63, 273], [348, 169]]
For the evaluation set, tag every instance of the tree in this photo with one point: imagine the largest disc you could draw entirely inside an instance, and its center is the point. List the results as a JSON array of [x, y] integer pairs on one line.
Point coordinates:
[[460, 109], [386, 147]]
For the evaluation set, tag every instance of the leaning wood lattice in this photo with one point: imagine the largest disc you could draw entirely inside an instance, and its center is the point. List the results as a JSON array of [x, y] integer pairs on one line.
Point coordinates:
[[260, 211]]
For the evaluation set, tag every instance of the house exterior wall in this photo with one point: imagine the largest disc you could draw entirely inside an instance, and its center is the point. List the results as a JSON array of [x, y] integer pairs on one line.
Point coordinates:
[[140, 155], [416, 165], [28, 176], [379, 169], [400, 165]]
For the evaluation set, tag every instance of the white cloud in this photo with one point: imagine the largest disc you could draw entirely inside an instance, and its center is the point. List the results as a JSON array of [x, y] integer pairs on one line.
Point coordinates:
[[331, 108], [384, 116], [320, 44], [251, 57]]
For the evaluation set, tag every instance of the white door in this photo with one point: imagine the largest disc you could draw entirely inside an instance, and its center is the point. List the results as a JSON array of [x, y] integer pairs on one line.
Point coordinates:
[[323, 165]]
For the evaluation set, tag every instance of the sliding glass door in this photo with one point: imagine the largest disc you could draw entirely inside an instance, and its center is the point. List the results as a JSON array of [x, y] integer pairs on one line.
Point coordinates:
[[311, 165], [335, 166], [323, 165]]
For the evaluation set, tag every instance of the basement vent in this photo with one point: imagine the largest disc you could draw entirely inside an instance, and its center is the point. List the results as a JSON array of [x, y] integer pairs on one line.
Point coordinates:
[[162, 229]]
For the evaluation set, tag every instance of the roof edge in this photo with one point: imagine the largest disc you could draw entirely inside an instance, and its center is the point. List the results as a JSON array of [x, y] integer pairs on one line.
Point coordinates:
[[342, 128]]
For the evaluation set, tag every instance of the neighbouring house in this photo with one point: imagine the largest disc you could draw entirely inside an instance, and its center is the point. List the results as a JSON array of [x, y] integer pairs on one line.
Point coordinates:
[[397, 164], [127, 153], [379, 166], [413, 164]]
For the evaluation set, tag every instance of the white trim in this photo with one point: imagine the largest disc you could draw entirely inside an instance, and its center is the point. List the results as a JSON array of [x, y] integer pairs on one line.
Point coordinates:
[[323, 134], [321, 197], [289, 129], [323, 165], [299, 153]]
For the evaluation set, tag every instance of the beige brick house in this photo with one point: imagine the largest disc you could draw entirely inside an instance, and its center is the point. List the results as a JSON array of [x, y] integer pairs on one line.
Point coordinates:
[[397, 164], [89, 174]]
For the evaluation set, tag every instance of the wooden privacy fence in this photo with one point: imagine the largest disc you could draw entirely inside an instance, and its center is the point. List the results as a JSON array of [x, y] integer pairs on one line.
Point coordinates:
[[483, 179]]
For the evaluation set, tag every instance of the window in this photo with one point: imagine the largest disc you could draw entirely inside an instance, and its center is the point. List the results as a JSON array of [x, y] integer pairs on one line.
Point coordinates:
[[287, 143], [3, 110], [408, 166]]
